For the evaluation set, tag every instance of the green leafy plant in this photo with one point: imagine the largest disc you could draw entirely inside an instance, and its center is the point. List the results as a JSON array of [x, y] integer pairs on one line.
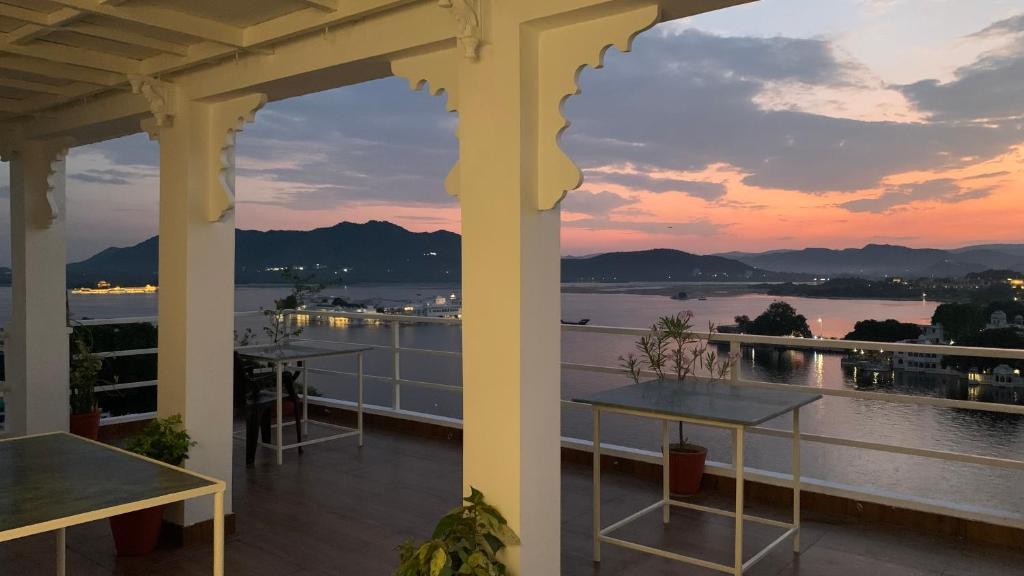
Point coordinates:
[[672, 347], [279, 327], [163, 439], [84, 374], [466, 541]]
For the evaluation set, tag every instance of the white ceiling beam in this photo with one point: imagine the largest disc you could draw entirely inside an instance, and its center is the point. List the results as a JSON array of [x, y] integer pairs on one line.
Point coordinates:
[[60, 71], [128, 37], [71, 90], [28, 33], [71, 55], [302, 21], [24, 14], [165, 19], [325, 5]]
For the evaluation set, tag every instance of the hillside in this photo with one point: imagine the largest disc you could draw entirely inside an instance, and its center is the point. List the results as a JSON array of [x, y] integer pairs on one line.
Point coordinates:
[[660, 265], [879, 260], [370, 252]]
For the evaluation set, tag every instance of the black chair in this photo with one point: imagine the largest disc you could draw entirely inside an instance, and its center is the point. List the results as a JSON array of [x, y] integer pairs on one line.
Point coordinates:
[[255, 400]]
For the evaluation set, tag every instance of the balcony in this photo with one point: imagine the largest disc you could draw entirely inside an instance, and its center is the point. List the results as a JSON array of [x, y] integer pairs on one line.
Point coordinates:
[[339, 510], [336, 506]]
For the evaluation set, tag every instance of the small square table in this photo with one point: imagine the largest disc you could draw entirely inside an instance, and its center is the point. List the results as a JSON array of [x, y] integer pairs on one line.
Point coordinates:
[[290, 352], [52, 481], [710, 403]]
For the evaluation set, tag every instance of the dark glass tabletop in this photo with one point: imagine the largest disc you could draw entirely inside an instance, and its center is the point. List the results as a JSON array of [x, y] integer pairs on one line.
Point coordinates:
[[703, 399], [55, 476]]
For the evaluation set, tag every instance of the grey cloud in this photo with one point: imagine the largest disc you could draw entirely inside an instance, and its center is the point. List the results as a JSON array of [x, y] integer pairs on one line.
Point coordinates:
[[989, 89], [687, 102], [94, 178], [941, 190], [594, 202], [640, 181]]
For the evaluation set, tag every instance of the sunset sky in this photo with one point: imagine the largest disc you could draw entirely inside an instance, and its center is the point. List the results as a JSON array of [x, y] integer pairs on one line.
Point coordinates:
[[782, 124]]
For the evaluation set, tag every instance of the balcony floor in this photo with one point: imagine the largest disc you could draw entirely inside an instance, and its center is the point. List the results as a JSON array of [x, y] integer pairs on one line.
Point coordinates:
[[338, 510]]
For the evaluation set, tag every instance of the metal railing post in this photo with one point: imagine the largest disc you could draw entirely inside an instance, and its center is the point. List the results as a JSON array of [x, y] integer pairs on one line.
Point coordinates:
[[735, 353], [396, 370]]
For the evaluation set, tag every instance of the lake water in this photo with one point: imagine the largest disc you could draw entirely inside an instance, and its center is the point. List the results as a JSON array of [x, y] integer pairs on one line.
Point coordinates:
[[964, 431]]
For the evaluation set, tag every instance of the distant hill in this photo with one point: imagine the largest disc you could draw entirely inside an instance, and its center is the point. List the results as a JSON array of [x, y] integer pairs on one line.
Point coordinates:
[[660, 265], [878, 260], [383, 252], [370, 252]]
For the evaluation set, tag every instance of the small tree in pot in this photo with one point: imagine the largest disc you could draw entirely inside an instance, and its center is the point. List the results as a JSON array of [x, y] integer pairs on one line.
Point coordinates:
[[85, 371], [672, 350], [164, 439]]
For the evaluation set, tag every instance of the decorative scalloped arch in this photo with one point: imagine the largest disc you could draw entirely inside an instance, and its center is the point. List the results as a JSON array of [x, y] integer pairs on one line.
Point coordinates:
[[228, 119], [562, 54], [55, 181], [438, 72]]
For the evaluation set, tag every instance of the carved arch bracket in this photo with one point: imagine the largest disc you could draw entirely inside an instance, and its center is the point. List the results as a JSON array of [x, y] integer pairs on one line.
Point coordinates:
[[438, 72], [227, 118], [467, 21], [56, 179], [561, 55]]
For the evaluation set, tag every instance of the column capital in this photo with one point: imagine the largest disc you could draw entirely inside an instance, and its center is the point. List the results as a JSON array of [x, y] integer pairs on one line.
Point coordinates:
[[52, 153]]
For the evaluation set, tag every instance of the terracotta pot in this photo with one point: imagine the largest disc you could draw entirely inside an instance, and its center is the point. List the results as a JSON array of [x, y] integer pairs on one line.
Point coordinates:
[[136, 533], [86, 425], [686, 468]]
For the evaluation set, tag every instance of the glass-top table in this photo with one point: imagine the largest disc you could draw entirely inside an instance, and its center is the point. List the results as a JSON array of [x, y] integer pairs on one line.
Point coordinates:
[[299, 353], [52, 481], [705, 402]]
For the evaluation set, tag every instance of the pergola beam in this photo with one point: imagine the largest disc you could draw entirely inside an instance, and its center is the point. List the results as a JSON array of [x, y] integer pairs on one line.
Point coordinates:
[[41, 67], [325, 5], [24, 14], [170, 20], [70, 55], [128, 37]]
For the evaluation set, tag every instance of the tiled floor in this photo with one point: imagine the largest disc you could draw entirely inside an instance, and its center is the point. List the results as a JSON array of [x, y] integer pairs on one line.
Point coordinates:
[[338, 510]]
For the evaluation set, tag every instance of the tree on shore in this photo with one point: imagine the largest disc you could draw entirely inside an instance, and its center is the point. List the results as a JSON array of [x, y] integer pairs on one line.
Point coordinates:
[[780, 319], [883, 331]]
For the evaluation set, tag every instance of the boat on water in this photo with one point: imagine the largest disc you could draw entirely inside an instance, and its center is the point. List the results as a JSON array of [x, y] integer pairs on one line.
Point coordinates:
[[104, 287]]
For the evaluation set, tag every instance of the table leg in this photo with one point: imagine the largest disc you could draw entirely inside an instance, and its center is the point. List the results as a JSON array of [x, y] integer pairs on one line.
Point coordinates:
[[61, 552], [796, 480], [597, 483], [359, 399], [665, 507], [303, 366], [218, 534], [737, 448], [278, 435]]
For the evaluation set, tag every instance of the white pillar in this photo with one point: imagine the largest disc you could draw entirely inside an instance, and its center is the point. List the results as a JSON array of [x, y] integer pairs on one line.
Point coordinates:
[[36, 351], [197, 280], [507, 86]]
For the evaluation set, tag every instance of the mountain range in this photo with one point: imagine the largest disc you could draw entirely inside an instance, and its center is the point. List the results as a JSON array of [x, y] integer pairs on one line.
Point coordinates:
[[881, 260], [384, 252], [380, 251]]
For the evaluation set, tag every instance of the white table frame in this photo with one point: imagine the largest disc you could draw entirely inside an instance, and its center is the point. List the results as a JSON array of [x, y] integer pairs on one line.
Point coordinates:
[[59, 525], [278, 445], [738, 567]]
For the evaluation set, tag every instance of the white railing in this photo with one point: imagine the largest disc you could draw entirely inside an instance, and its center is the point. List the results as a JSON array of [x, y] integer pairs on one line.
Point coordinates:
[[735, 341]]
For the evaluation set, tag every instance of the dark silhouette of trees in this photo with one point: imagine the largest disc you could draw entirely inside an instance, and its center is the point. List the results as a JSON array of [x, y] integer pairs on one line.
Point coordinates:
[[883, 331], [780, 319]]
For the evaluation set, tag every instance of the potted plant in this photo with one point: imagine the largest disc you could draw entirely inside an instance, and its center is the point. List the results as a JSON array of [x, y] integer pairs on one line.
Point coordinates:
[[164, 439], [672, 350], [85, 370], [466, 541]]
